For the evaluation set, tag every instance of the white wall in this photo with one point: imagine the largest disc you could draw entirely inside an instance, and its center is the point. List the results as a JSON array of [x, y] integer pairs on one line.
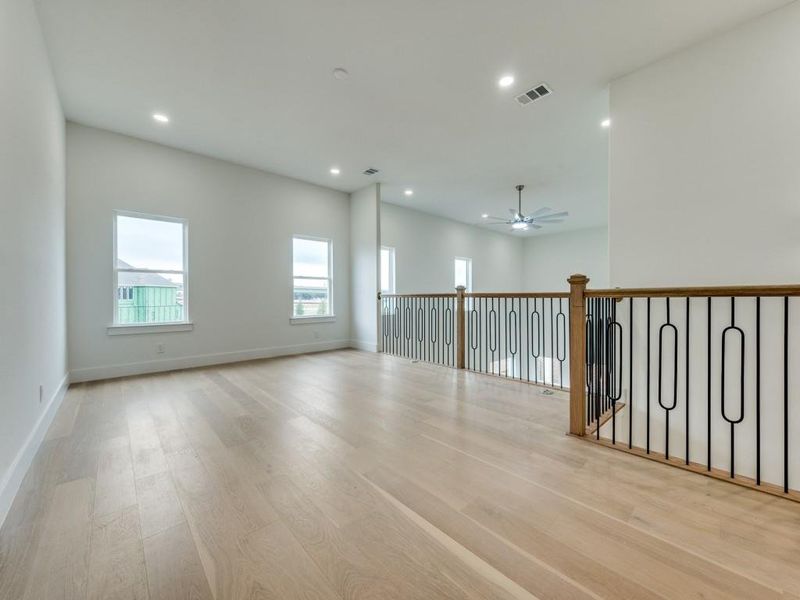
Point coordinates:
[[425, 246], [32, 313], [241, 223], [549, 260], [365, 232], [704, 155]]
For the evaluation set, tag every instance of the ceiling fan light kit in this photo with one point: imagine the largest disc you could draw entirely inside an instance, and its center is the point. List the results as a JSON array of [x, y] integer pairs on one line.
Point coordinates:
[[521, 222]]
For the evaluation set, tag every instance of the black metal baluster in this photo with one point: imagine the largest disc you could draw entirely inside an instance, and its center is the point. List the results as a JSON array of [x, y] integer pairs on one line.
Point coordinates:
[[733, 422], [528, 338], [511, 336], [786, 394], [667, 409], [421, 329], [535, 332], [561, 346], [598, 354], [708, 425], [588, 360], [648, 378], [480, 335], [552, 362], [518, 321], [758, 391], [474, 331], [686, 450], [630, 372], [614, 381]]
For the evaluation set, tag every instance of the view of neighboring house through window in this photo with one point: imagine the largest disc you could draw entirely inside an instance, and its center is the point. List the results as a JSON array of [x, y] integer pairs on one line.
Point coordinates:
[[387, 270], [149, 269], [311, 270], [463, 271]]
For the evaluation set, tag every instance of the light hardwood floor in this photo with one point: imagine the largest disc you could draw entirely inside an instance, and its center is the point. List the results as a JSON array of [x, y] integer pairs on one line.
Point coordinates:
[[355, 475]]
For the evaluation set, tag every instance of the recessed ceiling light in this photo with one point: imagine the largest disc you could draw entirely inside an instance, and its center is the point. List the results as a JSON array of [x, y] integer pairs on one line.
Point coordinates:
[[484, 216], [519, 225], [340, 73], [505, 81], [335, 170], [605, 124], [160, 118], [409, 192]]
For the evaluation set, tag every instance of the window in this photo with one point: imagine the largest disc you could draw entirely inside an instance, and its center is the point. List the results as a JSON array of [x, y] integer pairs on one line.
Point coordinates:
[[312, 283], [149, 270], [463, 269], [387, 270]]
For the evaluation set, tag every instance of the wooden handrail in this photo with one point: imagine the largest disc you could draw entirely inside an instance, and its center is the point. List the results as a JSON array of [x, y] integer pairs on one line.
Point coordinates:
[[517, 295], [701, 291], [443, 295], [483, 295]]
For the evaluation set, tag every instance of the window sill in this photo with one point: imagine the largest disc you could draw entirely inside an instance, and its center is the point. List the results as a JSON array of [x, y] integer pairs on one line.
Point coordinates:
[[149, 328], [312, 319]]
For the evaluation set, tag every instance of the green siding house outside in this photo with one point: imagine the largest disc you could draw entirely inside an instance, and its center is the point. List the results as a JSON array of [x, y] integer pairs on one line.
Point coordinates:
[[148, 298]]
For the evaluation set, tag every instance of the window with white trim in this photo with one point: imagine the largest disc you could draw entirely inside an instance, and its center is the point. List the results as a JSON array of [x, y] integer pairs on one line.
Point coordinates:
[[463, 272], [312, 281], [387, 270], [150, 269]]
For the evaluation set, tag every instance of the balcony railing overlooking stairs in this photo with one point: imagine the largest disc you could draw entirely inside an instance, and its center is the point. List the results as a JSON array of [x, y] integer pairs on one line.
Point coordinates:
[[522, 336], [700, 378]]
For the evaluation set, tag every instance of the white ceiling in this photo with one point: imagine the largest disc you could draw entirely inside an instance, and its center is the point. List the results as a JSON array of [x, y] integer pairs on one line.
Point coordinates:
[[250, 81]]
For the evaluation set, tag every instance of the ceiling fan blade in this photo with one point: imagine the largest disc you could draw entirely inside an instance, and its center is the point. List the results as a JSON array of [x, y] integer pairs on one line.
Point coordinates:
[[549, 222], [513, 211], [536, 226], [541, 211], [558, 215]]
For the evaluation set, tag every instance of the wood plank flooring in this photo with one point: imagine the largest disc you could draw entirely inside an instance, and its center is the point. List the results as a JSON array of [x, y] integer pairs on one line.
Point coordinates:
[[348, 475]]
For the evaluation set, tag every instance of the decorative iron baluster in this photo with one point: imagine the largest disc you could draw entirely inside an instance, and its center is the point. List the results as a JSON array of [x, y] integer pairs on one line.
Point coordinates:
[[733, 422]]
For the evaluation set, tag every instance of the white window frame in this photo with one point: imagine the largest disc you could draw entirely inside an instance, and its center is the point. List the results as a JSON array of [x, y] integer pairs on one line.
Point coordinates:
[[392, 271], [305, 319], [469, 271], [123, 328]]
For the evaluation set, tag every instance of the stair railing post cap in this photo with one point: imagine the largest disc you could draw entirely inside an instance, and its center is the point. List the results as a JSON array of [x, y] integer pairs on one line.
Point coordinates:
[[578, 278]]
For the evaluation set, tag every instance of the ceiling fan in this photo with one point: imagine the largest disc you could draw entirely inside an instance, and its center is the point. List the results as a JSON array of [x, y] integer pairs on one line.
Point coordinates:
[[522, 222]]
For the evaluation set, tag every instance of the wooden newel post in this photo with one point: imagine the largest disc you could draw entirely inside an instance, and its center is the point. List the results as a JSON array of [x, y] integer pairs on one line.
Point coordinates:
[[461, 349], [577, 354]]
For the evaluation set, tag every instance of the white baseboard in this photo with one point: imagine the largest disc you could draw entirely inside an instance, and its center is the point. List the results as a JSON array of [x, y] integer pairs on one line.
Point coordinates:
[[12, 479], [361, 345], [200, 360]]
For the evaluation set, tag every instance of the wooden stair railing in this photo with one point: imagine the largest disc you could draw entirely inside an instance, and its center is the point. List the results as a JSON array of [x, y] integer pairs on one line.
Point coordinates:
[[517, 335], [705, 373]]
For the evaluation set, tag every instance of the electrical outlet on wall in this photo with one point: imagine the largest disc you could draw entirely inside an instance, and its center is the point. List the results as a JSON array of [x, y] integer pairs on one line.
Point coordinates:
[[160, 348]]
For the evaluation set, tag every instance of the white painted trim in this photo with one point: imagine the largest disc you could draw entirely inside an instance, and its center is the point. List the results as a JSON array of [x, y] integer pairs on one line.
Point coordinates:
[[200, 360], [12, 478], [362, 345], [312, 319], [134, 328]]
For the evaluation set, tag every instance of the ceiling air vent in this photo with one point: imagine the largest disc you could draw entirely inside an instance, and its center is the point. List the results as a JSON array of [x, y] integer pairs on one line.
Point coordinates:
[[533, 94], [370, 171]]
